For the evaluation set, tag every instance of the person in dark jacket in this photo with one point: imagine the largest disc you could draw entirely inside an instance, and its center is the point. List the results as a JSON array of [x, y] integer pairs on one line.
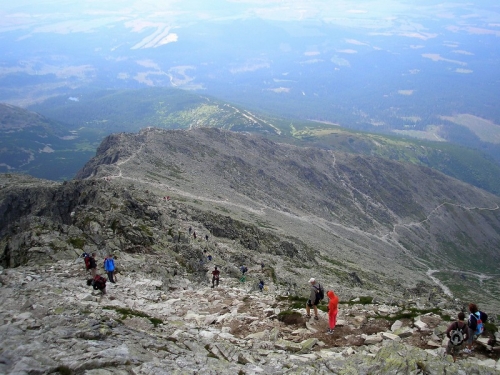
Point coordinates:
[[474, 316], [98, 283], [313, 300]]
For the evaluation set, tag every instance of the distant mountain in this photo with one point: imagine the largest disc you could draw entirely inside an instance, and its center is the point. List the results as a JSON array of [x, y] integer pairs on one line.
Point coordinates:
[[41, 147], [131, 110], [113, 111], [383, 220]]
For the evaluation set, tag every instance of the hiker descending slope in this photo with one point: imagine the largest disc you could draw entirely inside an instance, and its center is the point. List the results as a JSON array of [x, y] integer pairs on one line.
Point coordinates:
[[215, 277], [109, 267], [93, 265], [476, 325], [332, 311], [316, 295], [457, 333], [261, 285], [98, 283]]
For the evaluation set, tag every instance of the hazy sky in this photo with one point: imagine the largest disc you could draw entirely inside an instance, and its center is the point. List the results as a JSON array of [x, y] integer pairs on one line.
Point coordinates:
[[363, 13]]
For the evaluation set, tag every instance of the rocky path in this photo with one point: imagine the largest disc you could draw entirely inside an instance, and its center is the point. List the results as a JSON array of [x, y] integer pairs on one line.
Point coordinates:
[[53, 323]]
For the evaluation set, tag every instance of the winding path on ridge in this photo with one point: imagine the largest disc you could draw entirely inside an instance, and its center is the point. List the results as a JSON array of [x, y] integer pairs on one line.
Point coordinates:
[[323, 223]]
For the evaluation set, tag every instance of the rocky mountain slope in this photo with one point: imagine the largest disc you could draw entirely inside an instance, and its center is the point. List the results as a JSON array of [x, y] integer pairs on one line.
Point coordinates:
[[352, 210], [380, 232], [149, 323]]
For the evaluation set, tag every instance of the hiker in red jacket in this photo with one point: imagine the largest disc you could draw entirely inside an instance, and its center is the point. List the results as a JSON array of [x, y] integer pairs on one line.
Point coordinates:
[[332, 311], [215, 277]]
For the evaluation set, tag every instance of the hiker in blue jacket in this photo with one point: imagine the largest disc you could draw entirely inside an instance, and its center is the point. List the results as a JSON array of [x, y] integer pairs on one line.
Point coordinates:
[[109, 267]]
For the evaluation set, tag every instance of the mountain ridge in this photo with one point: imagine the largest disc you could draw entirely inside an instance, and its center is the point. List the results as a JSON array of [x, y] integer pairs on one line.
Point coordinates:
[[399, 211]]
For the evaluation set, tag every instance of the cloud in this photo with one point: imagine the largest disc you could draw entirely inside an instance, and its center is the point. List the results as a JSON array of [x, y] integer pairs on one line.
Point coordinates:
[[473, 30], [250, 67], [406, 92], [356, 42], [463, 71], [312, 61], [461, 52], [350, 51], [340, 61], [437, 57], [279, 90]]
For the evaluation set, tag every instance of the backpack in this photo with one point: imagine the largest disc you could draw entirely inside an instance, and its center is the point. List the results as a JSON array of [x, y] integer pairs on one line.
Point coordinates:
[[99, 282], [457, 335], [480, 325], [86, 258], [320, 292], [484, 316]]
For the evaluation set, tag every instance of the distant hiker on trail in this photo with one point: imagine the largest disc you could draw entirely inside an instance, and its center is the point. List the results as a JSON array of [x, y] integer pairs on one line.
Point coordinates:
[[261, 285], [190, 230], [109, 267], [243, 270], [262, 266], [194, 235], [332, 311], [98, 283], [314, 298], [206, 237], [457, 332], [209, 257], [93, 265], [215, 277], [476, 325]]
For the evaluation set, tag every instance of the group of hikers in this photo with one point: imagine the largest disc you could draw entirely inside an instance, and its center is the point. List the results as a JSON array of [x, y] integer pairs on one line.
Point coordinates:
[[243, 269], [97, 281], [317, 294], [461, 333]]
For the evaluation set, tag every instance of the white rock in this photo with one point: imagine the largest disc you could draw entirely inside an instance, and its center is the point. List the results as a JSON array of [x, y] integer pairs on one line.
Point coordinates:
[[396, 325], [433, 343], [349, 351], [391, 336], [373, 339], [310, 328], [420, 325]]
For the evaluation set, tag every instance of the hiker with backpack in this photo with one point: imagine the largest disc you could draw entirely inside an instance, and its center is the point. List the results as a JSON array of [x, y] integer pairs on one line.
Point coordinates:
[[90, 263], [98, 283], [476, 325], [457, 332], [333, 310], [261, 285], [316, 295]]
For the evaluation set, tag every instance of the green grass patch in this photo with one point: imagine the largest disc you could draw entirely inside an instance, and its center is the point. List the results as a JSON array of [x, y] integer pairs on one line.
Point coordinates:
[[77, 243]]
